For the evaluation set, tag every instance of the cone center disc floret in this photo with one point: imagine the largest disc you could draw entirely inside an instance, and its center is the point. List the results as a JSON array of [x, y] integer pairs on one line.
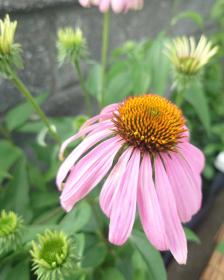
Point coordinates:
[[150, 122], [53, 251]]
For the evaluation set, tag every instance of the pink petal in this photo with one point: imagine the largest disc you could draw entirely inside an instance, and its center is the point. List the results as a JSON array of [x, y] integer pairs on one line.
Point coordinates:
[[124, 203], [89, 171], [86, 144], [113, 181], [149, 208], [118, 5], [101, 117], [110, 108], [176, 239], [193, 156], [187, 194], [104, 5]]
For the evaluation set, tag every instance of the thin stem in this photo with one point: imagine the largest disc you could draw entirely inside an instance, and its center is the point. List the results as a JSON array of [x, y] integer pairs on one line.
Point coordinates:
[[105, 44], [82, 84], [23, 89]]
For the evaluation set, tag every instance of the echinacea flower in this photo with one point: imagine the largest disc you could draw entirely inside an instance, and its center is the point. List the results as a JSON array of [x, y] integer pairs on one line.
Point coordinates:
[[118, 6], [54, 255], [141, 148], [187, 56], [11, 228]]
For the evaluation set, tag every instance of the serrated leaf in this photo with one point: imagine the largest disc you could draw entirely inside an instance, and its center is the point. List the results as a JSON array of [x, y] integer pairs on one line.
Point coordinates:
[[191, 236], [194, 16], [150, 255], [197, 98]]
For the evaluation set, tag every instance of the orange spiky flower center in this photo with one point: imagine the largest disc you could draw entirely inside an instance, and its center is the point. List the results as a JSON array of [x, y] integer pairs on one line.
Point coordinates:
[[150, 122]]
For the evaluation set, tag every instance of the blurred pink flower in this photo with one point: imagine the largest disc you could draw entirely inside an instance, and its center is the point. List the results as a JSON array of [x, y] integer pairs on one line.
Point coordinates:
[[118, 6], [141, 147]]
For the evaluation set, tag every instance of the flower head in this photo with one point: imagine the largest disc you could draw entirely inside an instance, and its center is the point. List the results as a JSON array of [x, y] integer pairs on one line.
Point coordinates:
[[7, 33], [9, 51], [71, 44], [11, 227], [54, 255], [118, 6], [141, 147], [187, 57]]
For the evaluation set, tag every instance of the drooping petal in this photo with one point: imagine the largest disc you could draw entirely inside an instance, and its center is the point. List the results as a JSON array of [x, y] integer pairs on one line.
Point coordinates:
[[149, 208], [86, 144], [186, 193], [176, 239], [110, 108], [113, 181], [89, 171], [193, 156], [124, 203]]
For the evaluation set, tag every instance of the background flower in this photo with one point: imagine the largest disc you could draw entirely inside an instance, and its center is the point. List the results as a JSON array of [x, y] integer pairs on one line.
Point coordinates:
[[118, 6]]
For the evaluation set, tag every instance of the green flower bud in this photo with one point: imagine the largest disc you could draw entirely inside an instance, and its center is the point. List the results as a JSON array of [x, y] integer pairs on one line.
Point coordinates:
[[9, 51], [71, 44], [54, 256], [11, 228]]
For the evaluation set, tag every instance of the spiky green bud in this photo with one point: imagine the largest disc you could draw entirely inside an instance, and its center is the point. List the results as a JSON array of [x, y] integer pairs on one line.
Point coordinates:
[[54, 255], [11, 228], [71, 44]]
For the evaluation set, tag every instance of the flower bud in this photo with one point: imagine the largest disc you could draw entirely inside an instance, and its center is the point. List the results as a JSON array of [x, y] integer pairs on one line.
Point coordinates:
[[9, 51], [187, 57], [71, 44], [11, 228], [54, 255]]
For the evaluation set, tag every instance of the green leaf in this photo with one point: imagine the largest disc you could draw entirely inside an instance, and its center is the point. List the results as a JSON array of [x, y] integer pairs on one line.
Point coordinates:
[[194, 16], [93, 83], [16, 117], [19, 187], [76, 219], [95, 251], [19, 271], [220, 247], [112, 274], [191, 236], [197, 98], [150, 255], [140, 78], [9, 154], [118, 87], [159, 66]]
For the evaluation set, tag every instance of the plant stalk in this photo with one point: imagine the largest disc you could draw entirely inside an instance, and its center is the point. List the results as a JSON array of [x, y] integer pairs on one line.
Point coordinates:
[[23, 89], [105, 44]]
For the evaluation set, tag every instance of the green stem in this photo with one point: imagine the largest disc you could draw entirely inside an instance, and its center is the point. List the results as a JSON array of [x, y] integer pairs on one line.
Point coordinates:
[[105, 44], [22, 88], [82, 84]]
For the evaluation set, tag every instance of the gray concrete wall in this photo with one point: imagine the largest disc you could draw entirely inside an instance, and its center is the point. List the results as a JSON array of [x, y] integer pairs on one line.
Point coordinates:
[[38, 22]]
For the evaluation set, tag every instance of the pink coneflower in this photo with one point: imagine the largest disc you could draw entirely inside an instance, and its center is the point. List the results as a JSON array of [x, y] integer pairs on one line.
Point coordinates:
[[118, 6], [141, 147]]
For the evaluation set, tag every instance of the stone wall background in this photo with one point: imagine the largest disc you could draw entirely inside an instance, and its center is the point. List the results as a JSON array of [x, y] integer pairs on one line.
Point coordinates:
[[38, 22]]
